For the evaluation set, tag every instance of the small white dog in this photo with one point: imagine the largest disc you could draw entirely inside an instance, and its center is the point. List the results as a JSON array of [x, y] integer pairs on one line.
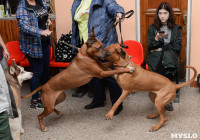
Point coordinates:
[[16, 75]]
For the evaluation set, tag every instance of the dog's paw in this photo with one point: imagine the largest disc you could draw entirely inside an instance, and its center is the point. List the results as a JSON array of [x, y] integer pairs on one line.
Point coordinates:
[[21, 130], [153, 129], [132, 69], [109, 116]]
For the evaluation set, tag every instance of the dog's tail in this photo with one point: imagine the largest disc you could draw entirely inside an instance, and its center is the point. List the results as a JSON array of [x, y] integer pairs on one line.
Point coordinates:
[[190, 81], [36, 90]]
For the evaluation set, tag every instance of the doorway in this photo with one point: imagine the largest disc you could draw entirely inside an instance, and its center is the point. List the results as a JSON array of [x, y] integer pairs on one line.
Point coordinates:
[[147, 12]]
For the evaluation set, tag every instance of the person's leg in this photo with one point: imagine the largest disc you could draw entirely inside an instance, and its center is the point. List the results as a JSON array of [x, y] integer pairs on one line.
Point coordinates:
[[36, 68], [5, 133], [45, 63], [115, 92], [99, 95], [169, 106]]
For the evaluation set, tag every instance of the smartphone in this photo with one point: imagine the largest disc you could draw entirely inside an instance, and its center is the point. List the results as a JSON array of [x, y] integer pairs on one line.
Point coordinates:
[[161, 32]]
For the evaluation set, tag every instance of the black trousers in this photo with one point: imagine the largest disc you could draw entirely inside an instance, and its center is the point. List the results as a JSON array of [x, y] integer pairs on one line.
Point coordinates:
[[98, 86]]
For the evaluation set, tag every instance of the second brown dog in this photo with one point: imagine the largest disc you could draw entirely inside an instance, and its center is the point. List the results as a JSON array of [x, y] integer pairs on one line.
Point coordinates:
[[161, 89]]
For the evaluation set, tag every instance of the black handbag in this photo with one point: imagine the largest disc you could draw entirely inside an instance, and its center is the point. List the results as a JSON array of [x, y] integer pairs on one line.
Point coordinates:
[[63, 52]]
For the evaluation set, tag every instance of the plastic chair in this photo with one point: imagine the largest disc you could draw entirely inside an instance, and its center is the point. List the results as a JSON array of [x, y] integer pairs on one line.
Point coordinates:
[[25, 62], [135, 49], [15, 52]]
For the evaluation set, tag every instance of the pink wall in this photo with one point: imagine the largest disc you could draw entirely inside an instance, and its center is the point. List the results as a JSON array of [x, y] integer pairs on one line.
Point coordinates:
[[195, 38], [64, 22]]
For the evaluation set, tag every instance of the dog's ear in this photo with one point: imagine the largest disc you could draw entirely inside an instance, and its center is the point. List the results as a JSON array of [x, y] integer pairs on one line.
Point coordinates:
[[124, 46], [13, 62], [12, 70], [121, 52], [92, 35], [91, 39]]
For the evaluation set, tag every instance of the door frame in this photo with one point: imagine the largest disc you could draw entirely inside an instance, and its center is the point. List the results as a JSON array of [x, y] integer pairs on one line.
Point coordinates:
[[189, 19]]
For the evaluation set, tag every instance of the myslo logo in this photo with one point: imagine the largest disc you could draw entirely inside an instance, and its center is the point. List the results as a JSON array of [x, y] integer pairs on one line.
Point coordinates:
[[184, 135]]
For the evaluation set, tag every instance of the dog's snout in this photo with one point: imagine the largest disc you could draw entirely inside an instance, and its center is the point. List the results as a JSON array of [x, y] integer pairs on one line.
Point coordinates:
[[107, 53]]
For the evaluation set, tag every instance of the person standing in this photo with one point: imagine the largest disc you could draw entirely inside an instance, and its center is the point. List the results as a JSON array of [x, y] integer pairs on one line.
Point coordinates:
[[7, 102], [98, 14], [164, 43], [34, 41]]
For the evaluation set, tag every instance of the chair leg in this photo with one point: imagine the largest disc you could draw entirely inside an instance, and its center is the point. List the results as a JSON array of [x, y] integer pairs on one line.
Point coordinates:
[[177, 98]]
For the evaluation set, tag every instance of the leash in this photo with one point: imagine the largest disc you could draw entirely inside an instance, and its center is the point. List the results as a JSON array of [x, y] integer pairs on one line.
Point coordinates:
[[54, 41], [113, 24]]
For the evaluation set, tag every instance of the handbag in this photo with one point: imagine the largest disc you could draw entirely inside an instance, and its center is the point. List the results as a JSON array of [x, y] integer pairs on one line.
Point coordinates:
[[63, 52]]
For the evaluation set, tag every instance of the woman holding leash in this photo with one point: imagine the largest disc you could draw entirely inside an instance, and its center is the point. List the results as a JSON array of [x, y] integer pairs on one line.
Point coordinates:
[[165, 43], [32, 17], [98, 14]]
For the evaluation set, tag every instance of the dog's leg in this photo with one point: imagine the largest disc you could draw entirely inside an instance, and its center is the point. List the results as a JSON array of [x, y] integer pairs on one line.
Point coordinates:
[[49, 101], [110, 114], [152, 97], [60, 99], [160, 104]]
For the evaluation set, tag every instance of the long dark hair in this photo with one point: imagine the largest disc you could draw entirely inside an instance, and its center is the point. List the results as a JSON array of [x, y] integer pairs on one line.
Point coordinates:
[[171, 20]]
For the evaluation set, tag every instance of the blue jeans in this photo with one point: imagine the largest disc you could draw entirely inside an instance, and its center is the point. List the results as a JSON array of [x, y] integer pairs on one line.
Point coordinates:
[[40, 69]]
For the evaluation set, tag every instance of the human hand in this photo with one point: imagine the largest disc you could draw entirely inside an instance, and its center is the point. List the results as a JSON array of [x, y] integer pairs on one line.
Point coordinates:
[[46, 32], [158, 50], [6, 54], [159, 36], [119, 16], [49, 23]]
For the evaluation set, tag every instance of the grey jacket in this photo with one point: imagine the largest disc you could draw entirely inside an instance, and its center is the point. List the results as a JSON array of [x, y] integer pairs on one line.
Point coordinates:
[[7, 102]]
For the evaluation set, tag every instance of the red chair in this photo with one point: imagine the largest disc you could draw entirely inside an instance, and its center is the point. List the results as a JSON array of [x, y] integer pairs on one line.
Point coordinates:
[[15, 52], [135, 50], [25, 62]]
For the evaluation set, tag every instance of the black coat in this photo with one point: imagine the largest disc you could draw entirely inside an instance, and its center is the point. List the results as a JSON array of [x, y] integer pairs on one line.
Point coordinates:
[[170, 52]]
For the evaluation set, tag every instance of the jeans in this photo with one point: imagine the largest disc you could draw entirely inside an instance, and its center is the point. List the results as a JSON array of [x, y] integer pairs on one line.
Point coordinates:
[[40, 69]]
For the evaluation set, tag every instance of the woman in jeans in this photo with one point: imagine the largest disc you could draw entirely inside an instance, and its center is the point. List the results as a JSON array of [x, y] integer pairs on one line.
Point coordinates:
[[32, 17]]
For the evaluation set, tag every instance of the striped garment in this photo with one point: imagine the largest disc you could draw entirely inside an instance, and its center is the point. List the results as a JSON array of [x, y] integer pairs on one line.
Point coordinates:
[[29, 32]]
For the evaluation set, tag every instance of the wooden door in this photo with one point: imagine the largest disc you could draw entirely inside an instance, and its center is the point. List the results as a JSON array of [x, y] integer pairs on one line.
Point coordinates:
[[147, 12]]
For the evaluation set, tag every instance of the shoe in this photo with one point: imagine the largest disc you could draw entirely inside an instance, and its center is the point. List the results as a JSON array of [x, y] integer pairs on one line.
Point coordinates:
[[118, 110], [169, 107], [36, 104], [80, 92], [94, 105]]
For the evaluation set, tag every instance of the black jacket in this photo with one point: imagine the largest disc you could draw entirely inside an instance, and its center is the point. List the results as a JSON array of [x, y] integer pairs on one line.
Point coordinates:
[[170, 52]]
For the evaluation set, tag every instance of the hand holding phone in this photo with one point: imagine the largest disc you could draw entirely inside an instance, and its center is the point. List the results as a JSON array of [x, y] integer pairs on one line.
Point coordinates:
[[161, 32]]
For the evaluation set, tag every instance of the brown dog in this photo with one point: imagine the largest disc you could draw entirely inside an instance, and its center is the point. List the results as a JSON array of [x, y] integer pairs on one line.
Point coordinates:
[[16, 75], [161, 89], [84, 67]]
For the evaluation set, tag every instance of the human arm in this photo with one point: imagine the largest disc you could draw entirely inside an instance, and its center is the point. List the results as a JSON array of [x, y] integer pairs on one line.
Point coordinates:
[[24, 24], [176, 44], [6, 53], [152, 37], [114, 9]]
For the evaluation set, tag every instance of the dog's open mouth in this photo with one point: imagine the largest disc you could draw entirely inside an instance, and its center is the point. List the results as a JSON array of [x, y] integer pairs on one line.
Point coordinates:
[[102, 59]]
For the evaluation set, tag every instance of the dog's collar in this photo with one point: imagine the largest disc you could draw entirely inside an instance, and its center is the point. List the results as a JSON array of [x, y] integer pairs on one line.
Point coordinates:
[[81, 53], [124, 66]]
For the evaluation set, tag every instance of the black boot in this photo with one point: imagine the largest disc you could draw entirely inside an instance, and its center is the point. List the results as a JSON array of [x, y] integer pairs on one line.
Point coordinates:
[[94, 105], [169, 107], [80, 92]]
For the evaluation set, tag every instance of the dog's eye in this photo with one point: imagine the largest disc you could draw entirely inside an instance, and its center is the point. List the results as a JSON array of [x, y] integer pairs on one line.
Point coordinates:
[[99, 48]]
